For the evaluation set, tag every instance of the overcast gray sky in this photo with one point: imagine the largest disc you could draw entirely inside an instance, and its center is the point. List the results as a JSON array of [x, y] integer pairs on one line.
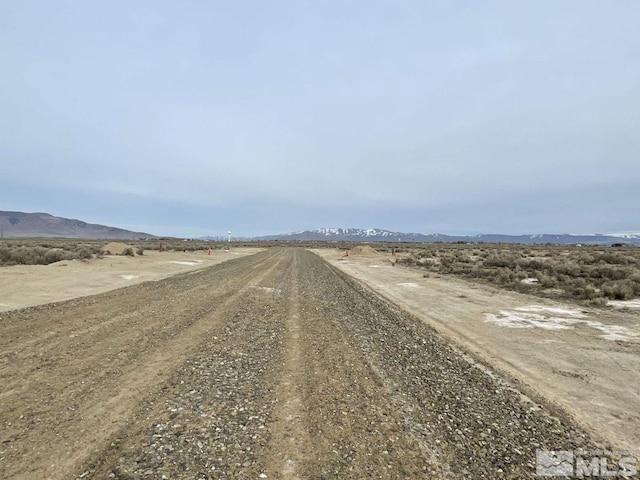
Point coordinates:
[[190, 118]]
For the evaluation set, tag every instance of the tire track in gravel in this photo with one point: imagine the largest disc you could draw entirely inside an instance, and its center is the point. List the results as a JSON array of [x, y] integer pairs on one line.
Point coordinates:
[[353, 427], [77, 389], [291, 369], [477, 426], [211, 418], [287, 444]]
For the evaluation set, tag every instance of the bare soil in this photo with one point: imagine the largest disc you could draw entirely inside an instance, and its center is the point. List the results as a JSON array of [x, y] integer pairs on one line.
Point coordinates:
[[584, 361], [275, 365], [29, 285]]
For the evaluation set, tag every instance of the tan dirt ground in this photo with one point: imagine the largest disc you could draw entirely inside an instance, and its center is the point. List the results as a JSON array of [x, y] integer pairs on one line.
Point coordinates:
[[116, 248], [274, 365], [595, 379], [28, 285]]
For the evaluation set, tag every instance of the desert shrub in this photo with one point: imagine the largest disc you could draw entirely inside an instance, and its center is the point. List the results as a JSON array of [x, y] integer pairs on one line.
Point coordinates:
[[598, 301], [38, 252], [635, 282], [54, 255], [128, 252], [427, 262], [568, 268], [409, 261], [503, 278], [588, 274], [546, 281], [531, 264], [84, 253], [581, 290], [500, 261], [446, 262], [619, 291], [590, 292], [461, 269], [610, 273], [30, 255], [614, 258], [140, 251]]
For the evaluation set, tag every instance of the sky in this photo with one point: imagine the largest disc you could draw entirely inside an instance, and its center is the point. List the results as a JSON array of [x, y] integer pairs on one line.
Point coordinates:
[[192, 118]]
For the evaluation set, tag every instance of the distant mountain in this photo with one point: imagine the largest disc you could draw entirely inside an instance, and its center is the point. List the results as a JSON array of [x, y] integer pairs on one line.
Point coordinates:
[[379, 235], [624, 235], [351, 235], [20, 224]]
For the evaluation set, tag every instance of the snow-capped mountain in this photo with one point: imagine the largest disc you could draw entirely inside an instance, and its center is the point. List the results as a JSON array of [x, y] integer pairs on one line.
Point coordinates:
[[351, 235], [358, 232], [381, 235], [627, 235], [364, 233]]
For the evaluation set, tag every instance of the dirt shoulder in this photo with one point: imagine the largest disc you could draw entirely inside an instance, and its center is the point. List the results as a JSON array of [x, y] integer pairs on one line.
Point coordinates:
[[29, 285], [587, 361]]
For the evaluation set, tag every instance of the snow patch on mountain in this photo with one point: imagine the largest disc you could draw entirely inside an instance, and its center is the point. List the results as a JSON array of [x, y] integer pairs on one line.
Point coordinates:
[[381, 235], [629, 235], [356, 232]]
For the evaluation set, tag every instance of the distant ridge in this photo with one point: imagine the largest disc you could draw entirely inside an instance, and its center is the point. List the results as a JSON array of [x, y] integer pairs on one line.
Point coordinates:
[[21, 224], [380, 235]]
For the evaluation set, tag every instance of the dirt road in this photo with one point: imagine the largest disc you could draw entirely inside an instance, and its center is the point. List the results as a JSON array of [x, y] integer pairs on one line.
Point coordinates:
[[274, 365]]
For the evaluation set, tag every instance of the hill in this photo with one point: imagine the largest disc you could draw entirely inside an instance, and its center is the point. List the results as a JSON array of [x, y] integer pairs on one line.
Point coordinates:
[[20, 224]]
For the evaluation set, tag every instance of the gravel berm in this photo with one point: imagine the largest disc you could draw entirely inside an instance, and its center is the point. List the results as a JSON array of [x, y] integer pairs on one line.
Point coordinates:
[[269, 366]]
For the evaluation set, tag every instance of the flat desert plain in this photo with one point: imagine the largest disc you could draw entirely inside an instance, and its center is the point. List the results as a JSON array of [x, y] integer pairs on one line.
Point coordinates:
[[284, 363]]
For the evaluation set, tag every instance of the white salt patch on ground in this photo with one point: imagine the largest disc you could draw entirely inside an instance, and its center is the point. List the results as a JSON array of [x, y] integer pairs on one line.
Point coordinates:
[[268, 289], [512, 319], [633, 304], [555, 318], [129, 277], [408, 285], [375, 266], [613, 332], [188, 264], [564, 311]]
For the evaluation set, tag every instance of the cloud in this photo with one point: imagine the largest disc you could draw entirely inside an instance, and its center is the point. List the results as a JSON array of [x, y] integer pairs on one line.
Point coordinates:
[[279, 116]]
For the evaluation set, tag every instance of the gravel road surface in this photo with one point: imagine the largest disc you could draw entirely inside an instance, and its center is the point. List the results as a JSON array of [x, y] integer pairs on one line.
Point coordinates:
[[274, 365]]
